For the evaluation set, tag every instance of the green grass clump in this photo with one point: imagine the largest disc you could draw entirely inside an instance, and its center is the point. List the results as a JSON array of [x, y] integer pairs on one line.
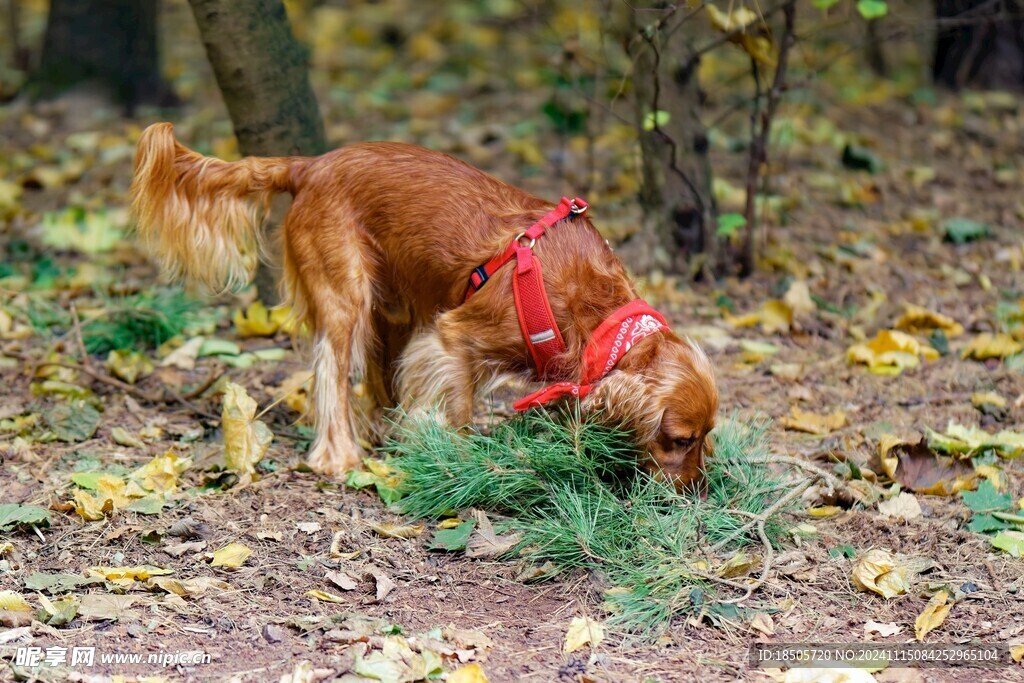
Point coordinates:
[[140, 321], [570, 490]]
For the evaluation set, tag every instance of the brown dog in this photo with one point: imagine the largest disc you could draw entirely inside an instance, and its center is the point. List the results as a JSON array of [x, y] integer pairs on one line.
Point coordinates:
[[378, 246]]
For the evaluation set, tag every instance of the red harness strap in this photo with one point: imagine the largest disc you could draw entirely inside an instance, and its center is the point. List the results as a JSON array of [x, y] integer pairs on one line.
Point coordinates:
[[536, 321], [616, 335], [610, 341]]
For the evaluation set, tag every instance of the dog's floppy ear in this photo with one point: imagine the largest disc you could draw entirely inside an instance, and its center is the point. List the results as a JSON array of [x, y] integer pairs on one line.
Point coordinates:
[[624, 399], [709, 445]]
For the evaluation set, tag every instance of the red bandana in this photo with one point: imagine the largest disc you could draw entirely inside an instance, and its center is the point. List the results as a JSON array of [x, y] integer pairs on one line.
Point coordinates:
[[616, 335]]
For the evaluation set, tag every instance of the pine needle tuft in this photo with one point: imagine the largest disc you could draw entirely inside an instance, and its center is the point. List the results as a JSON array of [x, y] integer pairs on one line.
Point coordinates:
[[569, 488]]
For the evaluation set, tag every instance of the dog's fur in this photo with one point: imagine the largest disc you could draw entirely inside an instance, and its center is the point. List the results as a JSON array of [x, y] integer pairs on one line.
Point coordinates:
[[378, 246]]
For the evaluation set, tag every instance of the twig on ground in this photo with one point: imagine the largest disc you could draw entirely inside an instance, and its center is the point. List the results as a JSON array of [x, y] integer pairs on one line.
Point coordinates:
[[830, 479], [767, 514], [76, 329], [167, 394], [766, 561]]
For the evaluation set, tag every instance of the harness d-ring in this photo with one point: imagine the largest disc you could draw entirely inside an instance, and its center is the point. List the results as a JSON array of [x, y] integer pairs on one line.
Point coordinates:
[[521, 235]]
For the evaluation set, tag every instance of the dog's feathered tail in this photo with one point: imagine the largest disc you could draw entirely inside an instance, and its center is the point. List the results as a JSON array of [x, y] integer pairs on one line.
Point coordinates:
[[202, 217]]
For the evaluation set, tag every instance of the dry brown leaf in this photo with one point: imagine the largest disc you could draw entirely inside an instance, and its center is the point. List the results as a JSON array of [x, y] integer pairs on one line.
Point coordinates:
[[343, 580], [105, 606], [917, 468], [798, 298], [384, 584], [883, 629], [878, 571], [905, 506], [583, 631]]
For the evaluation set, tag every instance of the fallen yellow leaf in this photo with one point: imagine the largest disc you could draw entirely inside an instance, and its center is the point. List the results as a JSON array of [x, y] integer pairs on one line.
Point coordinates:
[[137, 573], [583, 631], [232, 555], [255, 321], [471, 673], [160, 475], [891, 352], [246, 439], [774, 316], [824, 511], [812, 423], [13, 602], [324, 596], [114, 489], [992, 345], [91, 508], [129, 365], [966, 441], [918, 320], [397, 530], [878, 571], [933, 615], [449, 523]]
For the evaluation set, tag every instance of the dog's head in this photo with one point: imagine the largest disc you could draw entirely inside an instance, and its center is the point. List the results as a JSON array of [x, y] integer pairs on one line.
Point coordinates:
[[664, 390]]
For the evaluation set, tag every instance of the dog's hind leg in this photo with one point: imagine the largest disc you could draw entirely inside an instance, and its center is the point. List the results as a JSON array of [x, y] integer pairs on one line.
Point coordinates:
[[334, 291]]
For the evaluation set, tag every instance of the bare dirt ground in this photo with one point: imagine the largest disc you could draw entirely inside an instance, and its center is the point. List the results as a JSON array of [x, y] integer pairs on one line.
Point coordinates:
[[865, 244]]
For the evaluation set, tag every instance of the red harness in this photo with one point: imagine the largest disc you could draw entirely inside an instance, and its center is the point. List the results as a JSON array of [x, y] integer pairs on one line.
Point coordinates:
[[610, 341]]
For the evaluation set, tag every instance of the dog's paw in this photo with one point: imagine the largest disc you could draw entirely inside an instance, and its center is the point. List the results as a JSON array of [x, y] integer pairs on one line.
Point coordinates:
[[333, 462]]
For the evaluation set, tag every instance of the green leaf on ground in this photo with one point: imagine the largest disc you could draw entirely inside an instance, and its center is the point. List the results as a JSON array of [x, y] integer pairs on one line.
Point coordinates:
[[73, 422], [58, 583], [986, 498], [13, 514], [961, 230], [453, 539], [984, 523], [1010, 541]]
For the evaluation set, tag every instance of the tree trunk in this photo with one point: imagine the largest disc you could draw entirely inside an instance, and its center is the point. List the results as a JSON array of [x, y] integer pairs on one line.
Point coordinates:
[[110, 44], [677, 235], [263, 74], [979, 44]]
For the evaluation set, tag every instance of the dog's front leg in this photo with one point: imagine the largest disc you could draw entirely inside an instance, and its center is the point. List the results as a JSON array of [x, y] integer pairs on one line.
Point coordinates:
[[435, 378]]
